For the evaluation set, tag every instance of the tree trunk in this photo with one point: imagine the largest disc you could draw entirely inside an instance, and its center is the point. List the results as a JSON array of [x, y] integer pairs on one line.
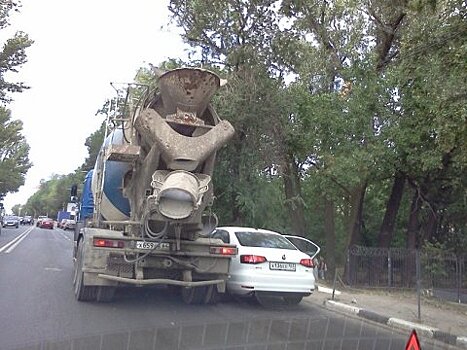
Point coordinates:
[[329, 230], [293, 197], [357, 196], [356, 215], [413, 226], [429, 228], [386, 231]]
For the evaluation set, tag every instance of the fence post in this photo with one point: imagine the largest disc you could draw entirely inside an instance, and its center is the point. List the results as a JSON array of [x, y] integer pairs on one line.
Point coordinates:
[[417, 274], [389, 269], [349, 268], [459, 275]]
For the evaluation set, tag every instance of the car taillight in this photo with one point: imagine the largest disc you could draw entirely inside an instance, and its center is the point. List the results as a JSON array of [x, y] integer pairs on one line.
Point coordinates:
[[252, 259], [223, 250], [108, 243], [306, 262]]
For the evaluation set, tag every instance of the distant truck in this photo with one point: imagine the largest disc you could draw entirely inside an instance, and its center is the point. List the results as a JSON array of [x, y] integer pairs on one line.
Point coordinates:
[[62, 215]]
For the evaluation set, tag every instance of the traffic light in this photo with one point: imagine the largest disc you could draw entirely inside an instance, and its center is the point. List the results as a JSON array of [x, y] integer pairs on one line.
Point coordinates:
[[74, 193]]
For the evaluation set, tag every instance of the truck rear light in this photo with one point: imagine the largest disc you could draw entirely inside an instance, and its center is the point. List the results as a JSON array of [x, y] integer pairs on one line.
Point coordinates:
[[108, 243], [306, 262], [223, 250], [252, 259]]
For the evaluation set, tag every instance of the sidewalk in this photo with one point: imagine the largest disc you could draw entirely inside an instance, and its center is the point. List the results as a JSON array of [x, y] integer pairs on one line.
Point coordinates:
[[442, 320]]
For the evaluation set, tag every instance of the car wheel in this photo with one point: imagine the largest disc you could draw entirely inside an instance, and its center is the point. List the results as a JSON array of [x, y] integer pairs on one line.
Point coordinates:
[[293, 300], [193, 295], [82, 292], [17, 226]]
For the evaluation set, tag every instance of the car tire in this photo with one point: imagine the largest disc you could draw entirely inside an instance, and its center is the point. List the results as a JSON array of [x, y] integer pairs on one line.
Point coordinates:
[[293, 300], [17, 226], [82, 292]]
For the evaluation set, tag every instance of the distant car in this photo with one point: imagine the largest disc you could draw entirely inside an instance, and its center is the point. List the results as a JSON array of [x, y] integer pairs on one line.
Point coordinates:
[[11, 221], [267, 264], [39, 219], [304, 245], [46, 223], [27, 220], [69, 224]]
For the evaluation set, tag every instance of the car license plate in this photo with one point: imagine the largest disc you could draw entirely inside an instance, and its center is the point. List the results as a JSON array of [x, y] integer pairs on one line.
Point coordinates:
[[152, 245], [282, 266]]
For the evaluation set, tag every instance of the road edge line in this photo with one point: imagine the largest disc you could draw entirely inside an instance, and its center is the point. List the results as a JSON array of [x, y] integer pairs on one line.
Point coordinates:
[[13, 241], [25, 234]]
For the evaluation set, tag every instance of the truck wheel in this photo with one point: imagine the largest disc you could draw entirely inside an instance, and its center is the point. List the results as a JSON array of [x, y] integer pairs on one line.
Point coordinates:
[[82, 292], [105, 294], [193, 295]]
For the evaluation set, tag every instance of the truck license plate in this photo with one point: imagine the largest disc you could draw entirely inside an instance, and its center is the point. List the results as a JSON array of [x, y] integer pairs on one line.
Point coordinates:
[[282, 266], [152, 245]]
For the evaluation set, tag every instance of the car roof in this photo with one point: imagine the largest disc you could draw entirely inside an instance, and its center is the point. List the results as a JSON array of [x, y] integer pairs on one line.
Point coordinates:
[[246, 229]]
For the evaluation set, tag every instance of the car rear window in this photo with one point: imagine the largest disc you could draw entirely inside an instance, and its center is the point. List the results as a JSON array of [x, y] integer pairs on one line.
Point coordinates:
[[263, 240], [303, 245]]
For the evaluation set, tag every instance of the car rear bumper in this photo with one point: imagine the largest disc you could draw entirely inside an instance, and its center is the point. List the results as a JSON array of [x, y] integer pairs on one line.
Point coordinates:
[[243, 284]]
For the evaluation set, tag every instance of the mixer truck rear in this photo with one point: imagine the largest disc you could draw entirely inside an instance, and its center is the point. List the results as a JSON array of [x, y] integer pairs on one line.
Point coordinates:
[[145, 208]]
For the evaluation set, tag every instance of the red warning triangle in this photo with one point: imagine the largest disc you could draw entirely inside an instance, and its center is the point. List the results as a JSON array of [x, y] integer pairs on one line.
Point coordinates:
[[413, 343]]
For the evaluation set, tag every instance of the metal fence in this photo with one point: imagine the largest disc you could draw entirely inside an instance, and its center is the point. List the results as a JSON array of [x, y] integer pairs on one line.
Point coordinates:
[[440, 274]]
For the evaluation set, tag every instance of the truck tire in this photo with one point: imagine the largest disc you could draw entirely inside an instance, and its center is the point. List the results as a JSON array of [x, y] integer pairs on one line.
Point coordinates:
[[105, 294], [194, 295], [82, 292]]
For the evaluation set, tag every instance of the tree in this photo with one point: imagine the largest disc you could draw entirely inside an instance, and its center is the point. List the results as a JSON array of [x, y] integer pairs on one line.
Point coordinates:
[[430, 126], [16, 209], [14, 161], [13, 53], [369, 138], [93, 143]]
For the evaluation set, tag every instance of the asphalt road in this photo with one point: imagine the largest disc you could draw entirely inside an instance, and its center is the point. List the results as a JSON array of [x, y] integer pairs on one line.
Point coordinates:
[[38, 311]]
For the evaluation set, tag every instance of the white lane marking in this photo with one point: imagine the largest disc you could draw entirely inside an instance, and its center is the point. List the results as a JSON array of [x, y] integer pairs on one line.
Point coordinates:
[[20, 237], [52, 269], [23, 236]]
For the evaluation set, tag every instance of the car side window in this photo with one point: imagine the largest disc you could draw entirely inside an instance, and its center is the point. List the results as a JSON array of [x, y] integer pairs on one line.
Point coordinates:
[[223, 235]]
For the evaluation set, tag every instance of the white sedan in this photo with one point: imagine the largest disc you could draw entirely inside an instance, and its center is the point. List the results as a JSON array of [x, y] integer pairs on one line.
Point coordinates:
[[267, 264]]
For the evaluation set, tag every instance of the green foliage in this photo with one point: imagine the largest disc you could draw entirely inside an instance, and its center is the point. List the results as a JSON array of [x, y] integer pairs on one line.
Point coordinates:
[[53, 195], [93, 143], [16, 209], [433, 260], [14, 161], [12, 54]]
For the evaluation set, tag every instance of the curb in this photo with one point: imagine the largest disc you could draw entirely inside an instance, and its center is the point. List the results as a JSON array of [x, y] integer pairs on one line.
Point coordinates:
[[428, 331], [326, 290]]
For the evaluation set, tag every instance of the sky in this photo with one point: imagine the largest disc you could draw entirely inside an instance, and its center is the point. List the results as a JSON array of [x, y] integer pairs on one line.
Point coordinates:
[[79, 48]]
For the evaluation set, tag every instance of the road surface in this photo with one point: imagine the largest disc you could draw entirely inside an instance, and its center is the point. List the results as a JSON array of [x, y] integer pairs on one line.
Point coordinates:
[[38, 311]]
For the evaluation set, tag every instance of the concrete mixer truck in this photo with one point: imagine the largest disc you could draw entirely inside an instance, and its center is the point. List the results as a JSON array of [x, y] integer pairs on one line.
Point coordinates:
[[145, 207]]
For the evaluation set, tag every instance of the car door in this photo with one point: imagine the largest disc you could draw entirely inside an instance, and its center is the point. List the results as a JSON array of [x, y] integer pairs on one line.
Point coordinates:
[[305, 245]]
